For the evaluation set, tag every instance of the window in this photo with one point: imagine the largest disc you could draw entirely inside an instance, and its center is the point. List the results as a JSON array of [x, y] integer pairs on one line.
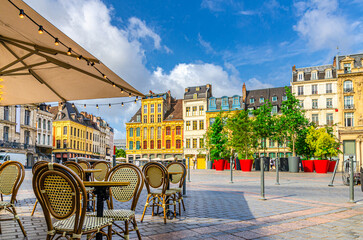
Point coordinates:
[[39, 138], [195, 142], [272, 143], [187, 110], [48, 139], [65, 130], [144, 145], [159, 108], [348, 86], [348, 102], [329, 88], [284, 98], [314, 89], [201, 110], [195, 95], [152, 119], [328, 73], [137, 145], [152, 144], [300, 76], [178, 130], [201, 142], [201, 124], [252, 100], [274, 98], [137, 132], [167, 144], [6, 114], [152, 108], [138, 118], [349, 119], [131, 132], [314, 75], [168, 131], [77, 132], [236, 101], [39, 120], [315, 119], [315, 103], [151, 132], [6, 134], [178, 144], [27, 117], [224, 101], [347, 68], [274, 110], [188, 143], [44, 124], [58, 144], [159, 132], [250, 111], [212, 103], [211, 121], [300, 90], [159, 144], [187, 124], [194, 111], [49, 125], [145, 109], [64, 143], [195, 125], [145, 118], [159, 118], [74, 132], [262, 100], [329, 119], [145, 133], [301, 104], [329, 103]]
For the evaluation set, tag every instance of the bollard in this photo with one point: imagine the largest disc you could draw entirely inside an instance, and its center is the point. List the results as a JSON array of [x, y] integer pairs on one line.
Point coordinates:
[[231, 163], [351, 180], [262, 161], [184, 184], [188, 169], [114, 160], [277, 172], [52, 158], [335, 171]]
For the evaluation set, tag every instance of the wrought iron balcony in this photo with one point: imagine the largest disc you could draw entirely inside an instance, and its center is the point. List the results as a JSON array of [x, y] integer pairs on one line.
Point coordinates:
[[349, 106], [348, 90], [16, 145]]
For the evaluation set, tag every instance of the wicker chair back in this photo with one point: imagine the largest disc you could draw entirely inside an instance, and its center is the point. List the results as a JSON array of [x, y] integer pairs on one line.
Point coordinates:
[[176, 167], [104, 166], [130, 173], [75, 167], [11, 176], [155, 176], [84, 164], [37, 165]]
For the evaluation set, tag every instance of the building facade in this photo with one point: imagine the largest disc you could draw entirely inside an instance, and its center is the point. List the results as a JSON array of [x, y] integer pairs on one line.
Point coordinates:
[[194, 114], [156, 130], [120, 144], [44, 124]]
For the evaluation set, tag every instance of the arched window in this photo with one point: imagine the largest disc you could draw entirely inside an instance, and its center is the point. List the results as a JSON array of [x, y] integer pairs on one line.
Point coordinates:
[[167, 130], [348, 86]]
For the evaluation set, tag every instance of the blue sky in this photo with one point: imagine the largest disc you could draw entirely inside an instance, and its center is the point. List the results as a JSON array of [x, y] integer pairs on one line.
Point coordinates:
[[170, 45]]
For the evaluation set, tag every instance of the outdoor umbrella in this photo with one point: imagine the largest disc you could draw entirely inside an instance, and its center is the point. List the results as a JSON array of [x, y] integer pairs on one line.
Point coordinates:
[[39, 63]]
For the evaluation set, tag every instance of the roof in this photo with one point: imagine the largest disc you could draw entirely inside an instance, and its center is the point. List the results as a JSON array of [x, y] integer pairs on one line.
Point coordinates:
[[357, 59], [134, 118], [230, 103], [203, 91], [175, 112], [267, 94]]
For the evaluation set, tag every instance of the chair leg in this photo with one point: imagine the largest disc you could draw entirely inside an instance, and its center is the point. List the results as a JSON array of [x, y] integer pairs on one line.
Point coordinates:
[[146, 204], [35, 206], [164, 209], [136, 228], [183, 203], [174, 203], [19, 222], [126, 235], [109, 232], [152, 214]]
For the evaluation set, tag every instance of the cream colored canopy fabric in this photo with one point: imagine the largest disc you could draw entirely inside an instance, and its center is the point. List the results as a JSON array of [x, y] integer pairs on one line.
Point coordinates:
[[35, 70]]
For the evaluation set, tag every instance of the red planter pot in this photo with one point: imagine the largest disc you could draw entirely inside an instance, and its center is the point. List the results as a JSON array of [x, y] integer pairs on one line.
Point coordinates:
[[227, 165], [308, 165], [331, 166], [321, 166], [246, 164], [219, 165]]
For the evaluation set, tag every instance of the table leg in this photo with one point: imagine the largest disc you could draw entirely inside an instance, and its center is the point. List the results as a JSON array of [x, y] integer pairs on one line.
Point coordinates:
[[89, 207], [101, 196]]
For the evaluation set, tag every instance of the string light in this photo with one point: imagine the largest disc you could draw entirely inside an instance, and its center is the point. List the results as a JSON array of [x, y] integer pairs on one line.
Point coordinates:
[[97, 106], [122, 90], [85, 106], [122, 104], [72, 105], [69, 51], [79, 57], [109, 105], [56, 42], [129, 94], [137, 97], [113, 85], [103, 75], [21, 14], [41, 30], [135, 101]]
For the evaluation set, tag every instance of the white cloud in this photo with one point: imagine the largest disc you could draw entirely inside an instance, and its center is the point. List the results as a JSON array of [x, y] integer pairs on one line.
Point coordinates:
[[254, 83], [323, 27], [248, 12], [206, 45], [213, 5]]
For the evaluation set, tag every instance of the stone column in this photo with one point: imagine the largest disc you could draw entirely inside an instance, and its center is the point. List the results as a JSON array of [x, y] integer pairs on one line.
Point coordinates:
[[358, 153]]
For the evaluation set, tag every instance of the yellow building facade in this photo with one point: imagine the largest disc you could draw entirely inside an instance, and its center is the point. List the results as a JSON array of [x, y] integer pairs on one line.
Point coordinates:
[[156, 130]]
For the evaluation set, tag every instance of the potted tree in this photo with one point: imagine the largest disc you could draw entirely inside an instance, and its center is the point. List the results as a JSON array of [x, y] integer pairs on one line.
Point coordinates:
[[295, 120], [279, 134], [217, 142], [303, 149]]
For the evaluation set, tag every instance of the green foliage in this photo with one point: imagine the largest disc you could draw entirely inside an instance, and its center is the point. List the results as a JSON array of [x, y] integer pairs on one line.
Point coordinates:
[[301, 146], [120, 153], [216, 139], [241, 135], [263, 123], [295, 119], [279, 132], [322, 142]]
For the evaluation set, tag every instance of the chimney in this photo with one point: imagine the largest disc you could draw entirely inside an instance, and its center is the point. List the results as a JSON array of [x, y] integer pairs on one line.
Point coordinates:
[[186, 89], [244, 92], [294, 68]]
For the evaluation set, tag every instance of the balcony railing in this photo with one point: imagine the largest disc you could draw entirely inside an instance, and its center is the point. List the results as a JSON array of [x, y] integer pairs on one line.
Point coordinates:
[[315, 107], [329, 106], [16, 145], [349, 106], [348, 90]]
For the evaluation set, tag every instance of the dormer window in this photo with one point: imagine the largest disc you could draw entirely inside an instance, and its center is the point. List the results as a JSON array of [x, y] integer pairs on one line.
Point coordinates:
[[328, 74], [197, 89], [225, 103], [235, 101], [212, 104], [262, 100], [300, 76], [138, 118], [284, 98], [274, 98], [195, 95], [145, 109], [314, 75], [347, 67], [252, 100]]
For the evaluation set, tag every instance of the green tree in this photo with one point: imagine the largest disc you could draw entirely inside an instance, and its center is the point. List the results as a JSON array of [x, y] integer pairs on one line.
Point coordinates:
[[302, 147], [279, 132], [217, 139], [322, 142], [263, 124], [241, 135], [120, 153], [295, 117]]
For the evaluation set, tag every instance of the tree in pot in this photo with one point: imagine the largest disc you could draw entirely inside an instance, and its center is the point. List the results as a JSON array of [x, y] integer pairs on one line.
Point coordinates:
[[303, 149], [279, 133], [241, 137], [295, 121]]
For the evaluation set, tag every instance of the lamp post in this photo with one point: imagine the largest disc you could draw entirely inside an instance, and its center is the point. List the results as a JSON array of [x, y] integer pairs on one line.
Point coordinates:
[[262, 166], [231, 166], [277, 171], [351, 180]]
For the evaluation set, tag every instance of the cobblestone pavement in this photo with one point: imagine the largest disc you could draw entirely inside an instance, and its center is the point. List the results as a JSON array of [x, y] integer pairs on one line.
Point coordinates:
[[301, 207]]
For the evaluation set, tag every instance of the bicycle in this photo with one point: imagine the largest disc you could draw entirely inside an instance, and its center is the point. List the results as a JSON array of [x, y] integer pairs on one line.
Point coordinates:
[[346, 174]]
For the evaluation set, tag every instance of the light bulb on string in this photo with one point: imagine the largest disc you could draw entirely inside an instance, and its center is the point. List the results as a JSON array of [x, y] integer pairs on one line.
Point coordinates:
[[97, 106], [104, 76], [56, 42], [69, 52], [135, 101], [21, 13], [137, 97], [84, 106], [113, 85], [122, 90], [129, 94], [122, 104], [72, 105], [79, 57], [109, 105], [40, 30]]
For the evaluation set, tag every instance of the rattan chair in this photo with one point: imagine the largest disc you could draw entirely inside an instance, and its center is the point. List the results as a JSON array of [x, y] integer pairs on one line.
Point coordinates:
[[62, 195], [131, 193], [156, 182], [37, 164], [104, 166], [177, 181], [84, 164], [11, 177]]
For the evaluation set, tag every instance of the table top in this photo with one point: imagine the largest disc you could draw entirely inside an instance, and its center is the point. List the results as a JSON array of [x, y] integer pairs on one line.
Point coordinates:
[[92, 170], [174, 173], [105, 184]]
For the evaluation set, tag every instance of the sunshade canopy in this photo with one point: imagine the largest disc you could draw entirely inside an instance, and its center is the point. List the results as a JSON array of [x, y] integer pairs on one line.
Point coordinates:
[[35, 70]]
